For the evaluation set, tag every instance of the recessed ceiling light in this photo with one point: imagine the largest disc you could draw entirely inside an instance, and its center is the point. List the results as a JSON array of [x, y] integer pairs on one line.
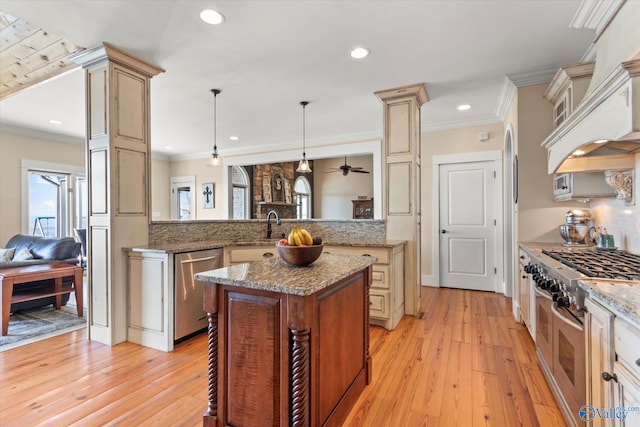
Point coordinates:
[[600, 141], [211, 16], [55, 122], [578, 153], [234, 138], [464, 107], [360, 52]]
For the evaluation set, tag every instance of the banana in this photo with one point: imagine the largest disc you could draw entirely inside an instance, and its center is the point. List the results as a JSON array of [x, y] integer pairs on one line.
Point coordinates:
[[299, 236], [308, 240]]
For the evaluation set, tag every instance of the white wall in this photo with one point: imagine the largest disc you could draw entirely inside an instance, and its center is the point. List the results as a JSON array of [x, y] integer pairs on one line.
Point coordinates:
[[452, 141], [334, 192], [620, 219]]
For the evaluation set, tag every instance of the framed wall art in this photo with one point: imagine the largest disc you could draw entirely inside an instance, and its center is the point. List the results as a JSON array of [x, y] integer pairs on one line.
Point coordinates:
[[208, 195]]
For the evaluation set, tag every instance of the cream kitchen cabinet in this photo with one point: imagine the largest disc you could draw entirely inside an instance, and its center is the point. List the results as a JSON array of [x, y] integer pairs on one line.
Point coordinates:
[[386, 296], [526, 298], [165, 302], [612, 363], [567, 89], [240, 254], [626, 370], [599, 356]]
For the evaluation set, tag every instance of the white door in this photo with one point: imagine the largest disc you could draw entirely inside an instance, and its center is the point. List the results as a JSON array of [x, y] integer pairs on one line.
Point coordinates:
[[468, 226], [183, 197]]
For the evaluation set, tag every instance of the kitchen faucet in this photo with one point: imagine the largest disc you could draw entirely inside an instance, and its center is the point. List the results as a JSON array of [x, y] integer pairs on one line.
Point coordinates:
[[269, 222]]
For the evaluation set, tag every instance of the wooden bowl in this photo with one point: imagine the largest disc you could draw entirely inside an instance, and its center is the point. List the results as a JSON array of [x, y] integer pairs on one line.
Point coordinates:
[[299, 256]]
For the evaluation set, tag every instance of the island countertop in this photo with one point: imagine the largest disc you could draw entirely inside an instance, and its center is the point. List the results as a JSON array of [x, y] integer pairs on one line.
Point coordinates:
[[277, 276], [179, 247]]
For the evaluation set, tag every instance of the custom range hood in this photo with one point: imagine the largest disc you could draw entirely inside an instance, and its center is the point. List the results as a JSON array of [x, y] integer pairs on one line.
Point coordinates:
[[600, 130], [603, 132]]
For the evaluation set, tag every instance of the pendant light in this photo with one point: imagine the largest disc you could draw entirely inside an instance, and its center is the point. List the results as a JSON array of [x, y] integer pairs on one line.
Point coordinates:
[[303, 166], [215, 158]]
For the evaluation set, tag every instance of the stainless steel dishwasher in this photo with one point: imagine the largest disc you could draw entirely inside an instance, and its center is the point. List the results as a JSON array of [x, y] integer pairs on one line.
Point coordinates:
[[189, 315]]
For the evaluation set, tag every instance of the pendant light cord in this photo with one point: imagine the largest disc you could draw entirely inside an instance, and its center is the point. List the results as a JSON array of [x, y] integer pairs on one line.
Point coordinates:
[[215, 119], [304, 107]]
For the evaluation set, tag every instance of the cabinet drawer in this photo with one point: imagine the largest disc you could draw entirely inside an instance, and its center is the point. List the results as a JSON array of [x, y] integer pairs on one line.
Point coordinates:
[[626, 339], [239, 255], [380, 276], [381, 253], [379, 304]]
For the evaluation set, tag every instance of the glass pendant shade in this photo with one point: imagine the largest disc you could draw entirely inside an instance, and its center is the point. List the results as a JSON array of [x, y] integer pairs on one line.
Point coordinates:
[[303, 166], [215, 157]]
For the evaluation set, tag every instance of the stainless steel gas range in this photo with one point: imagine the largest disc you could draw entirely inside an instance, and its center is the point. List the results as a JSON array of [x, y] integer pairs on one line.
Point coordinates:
[[559, 306]]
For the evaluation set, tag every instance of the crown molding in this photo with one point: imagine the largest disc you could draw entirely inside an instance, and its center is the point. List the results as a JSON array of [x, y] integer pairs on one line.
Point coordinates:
[[531, 78], [595, 14], [507, 95], [488, 119], [40, 134]]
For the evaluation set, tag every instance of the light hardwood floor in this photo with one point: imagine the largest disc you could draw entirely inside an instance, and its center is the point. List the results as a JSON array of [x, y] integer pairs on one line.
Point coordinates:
[[463, 362]]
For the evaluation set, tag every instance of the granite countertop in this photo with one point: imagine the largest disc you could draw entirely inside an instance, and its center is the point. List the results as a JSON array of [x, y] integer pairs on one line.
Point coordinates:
[[277, 276], [215, 244], [621, 296]]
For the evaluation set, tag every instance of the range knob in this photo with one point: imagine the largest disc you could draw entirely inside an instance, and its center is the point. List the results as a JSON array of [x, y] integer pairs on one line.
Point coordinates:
[[527, 268], [555, 286], [563, 301]]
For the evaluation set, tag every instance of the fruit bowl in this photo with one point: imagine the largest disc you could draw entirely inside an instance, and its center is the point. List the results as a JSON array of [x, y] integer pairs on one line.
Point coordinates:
[[299, 256]]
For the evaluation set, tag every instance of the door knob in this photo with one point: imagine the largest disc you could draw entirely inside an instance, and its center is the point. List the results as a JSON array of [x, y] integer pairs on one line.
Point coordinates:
[[444, 231]]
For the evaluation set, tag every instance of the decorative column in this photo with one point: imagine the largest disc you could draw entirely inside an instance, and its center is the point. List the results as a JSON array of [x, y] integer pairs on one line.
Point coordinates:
[[118, 175], [401, 189]]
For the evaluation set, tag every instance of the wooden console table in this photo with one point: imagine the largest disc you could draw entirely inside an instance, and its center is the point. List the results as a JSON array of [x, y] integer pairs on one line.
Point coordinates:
[[19, 275]]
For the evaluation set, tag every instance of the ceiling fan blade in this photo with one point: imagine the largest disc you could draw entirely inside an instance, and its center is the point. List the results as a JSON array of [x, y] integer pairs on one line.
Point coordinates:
[[359, 171]]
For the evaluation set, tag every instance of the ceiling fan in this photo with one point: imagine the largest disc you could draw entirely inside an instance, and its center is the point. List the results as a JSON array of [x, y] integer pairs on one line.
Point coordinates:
[[345, 169]]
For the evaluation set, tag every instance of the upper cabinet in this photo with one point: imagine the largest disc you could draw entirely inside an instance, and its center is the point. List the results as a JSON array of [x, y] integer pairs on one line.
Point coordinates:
[[567, 89]]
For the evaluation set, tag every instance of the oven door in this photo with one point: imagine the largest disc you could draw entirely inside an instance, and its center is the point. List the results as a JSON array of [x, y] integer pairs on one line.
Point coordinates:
[[568, 359], [544, 327]]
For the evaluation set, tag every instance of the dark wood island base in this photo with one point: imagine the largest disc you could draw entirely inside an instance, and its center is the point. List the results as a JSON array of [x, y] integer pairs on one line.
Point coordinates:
[[283, 359]]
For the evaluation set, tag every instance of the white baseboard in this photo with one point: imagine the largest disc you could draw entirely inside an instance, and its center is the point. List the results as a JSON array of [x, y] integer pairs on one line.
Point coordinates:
[[427, 280]]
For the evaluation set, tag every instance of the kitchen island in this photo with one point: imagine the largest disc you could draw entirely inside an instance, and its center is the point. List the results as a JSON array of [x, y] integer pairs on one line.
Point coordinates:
[[288, 346]]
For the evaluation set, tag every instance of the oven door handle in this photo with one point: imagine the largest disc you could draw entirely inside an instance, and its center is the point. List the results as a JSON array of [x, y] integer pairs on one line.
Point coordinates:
[[554, 308], [542, 294]]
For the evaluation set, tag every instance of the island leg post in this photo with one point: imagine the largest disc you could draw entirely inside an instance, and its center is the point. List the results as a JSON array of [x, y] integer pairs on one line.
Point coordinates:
[[210, 417], [300, 378]]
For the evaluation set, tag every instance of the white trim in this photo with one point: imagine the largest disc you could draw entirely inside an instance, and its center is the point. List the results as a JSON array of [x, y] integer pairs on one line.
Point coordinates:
[[480, 156], [507, 95], [531, 78], [27, 165], [429, 280], [189, 181], [487, 119], [595, 14]]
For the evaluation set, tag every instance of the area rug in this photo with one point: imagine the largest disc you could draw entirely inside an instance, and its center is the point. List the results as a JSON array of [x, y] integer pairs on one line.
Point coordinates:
[[27, 326]]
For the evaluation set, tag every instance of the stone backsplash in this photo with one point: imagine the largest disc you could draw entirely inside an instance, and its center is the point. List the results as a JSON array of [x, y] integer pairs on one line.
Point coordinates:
[[336, 231]]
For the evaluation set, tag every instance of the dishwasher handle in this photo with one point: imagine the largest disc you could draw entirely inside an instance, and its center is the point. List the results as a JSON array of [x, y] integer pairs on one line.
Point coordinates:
[[191, 261]]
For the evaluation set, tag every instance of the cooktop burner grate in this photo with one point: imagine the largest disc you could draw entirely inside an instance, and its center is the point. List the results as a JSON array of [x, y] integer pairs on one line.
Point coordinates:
[[602, 264]]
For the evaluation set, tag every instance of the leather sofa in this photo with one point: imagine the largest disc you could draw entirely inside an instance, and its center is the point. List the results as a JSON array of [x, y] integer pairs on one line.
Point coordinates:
[[43, 250]]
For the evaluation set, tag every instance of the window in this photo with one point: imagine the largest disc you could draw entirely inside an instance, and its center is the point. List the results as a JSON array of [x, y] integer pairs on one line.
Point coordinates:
[[302, 197], [239, 193], [55, 198]]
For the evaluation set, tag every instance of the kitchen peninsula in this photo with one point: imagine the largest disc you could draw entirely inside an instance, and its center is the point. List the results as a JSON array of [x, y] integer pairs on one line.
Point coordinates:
[[288, 346]]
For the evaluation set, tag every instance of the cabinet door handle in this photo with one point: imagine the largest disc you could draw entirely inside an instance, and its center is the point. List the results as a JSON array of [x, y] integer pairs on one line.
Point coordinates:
[[267, 255], [366, 255], [638, 362], [444, 231], [608, 377]]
